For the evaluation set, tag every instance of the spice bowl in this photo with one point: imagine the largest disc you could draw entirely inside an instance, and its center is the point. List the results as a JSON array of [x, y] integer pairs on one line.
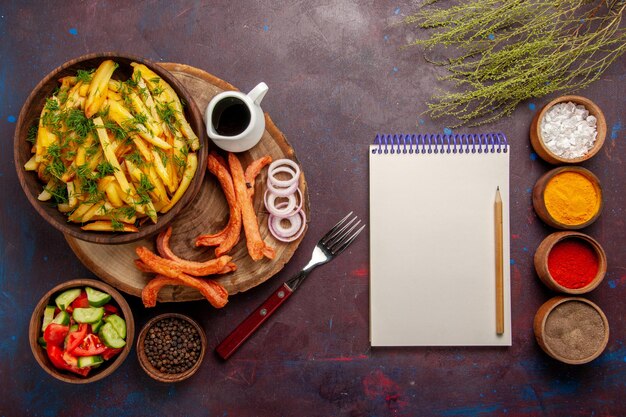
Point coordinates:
[[568, 198], [570, 262], [572, 330], [119, 307], [537, 139], [166, 331]]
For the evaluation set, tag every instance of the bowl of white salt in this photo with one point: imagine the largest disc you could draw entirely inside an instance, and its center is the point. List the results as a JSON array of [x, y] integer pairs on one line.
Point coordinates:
[[568, 130]]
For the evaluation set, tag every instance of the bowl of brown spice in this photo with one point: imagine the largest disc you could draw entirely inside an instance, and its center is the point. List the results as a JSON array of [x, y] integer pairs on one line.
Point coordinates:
[[572, 330], [171, 347]]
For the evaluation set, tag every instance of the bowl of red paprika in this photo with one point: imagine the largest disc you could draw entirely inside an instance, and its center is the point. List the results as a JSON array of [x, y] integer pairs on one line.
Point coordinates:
[[570, 262], [81, 331]]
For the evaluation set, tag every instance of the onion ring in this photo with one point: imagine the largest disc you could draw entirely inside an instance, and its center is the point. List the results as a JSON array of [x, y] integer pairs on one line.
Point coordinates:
[[270, 203], [283, 165], [282, 192], [277, 234]]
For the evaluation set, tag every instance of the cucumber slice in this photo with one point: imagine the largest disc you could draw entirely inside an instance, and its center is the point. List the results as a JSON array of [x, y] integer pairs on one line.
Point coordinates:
[[42, 342], [95, 327], [66, 297], [73, 328], [110, 338], [48, 316], [88, 315], [97, 298], [62, 318], [118, 324], [85, 361]]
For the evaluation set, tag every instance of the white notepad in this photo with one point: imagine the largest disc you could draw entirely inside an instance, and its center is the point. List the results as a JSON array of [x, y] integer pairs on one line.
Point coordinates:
[[432, 240]]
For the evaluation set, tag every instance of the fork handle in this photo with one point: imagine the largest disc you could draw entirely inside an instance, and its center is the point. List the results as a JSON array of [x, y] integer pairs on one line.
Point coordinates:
[[242, 332]]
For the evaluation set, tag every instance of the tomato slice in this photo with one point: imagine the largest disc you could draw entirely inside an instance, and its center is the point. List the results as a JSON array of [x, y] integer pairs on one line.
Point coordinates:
[[110, 352], [81, 301], [57, 357], [55, 354], [76, 338], [91, 345], [55, 334], [110, 309]]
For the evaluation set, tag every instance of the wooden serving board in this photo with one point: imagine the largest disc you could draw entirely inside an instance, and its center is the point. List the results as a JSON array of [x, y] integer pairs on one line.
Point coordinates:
[[208, 213]]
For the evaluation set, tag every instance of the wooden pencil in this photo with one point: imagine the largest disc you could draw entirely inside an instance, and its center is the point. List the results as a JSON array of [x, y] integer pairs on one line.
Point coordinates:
[[499, 265]]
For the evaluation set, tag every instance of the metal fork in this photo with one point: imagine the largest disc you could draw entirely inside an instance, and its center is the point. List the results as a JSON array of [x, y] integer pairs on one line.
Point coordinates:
[[329, 246]]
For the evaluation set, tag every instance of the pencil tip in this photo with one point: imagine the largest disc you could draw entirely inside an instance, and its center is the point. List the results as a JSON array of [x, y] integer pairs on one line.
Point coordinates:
[[498, 188]]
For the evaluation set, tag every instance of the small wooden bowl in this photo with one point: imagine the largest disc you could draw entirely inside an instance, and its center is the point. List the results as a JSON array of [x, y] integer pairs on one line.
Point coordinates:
[[543, 252], [107, 368], [539, 327], [151, 370], [537, 141], [30, 114], [540, 205]]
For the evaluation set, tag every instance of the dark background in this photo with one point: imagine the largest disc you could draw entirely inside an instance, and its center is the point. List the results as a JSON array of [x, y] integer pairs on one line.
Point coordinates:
[[336, 78]]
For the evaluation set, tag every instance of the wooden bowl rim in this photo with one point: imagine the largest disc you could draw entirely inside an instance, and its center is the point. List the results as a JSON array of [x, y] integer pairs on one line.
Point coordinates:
[[593, 109], [107, 368], [147, 229], [151, 370], [543, 182], [548, 244], [557, 301]]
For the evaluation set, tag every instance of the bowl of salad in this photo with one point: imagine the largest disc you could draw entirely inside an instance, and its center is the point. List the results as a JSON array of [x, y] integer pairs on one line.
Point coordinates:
[[81, 331]]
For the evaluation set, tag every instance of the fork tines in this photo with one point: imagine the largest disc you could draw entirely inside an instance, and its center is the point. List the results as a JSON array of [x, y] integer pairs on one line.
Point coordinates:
[[341, 235]]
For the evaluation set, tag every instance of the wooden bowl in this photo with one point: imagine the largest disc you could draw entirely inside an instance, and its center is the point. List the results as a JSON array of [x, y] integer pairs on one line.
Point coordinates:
[[30, 113], [548, 346], [107, 368], [541, 261], [151, 370], [540, 205], [537, 141]]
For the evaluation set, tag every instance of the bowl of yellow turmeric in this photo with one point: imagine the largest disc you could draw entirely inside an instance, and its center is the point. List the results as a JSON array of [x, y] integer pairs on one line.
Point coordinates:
[[568, 198]]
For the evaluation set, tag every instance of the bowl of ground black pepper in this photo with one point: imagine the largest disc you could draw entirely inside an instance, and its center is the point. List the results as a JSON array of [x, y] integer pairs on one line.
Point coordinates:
[[171, 347], [572, 330]]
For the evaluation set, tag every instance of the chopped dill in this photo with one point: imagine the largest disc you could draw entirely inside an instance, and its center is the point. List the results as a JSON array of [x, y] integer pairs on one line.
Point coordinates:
[[167, 113], [104, 169], [117, 225], [127, 212], [141, 118], [180, 162], [134, 80], [144, 184], [84, 76], [59, 194], [118, 131], [83, 172], [136, 159], [92, 150], [31, 136], [162, 155], [143, 188], [104, 111], [79, 123], [91, 192], [52, 104]]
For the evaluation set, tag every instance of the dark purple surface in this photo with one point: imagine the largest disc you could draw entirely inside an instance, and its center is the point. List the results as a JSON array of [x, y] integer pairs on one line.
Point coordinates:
[[336, 78]]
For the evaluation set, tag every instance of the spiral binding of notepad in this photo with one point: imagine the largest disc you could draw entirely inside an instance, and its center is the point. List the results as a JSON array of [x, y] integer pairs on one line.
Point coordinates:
[[440, 143]]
